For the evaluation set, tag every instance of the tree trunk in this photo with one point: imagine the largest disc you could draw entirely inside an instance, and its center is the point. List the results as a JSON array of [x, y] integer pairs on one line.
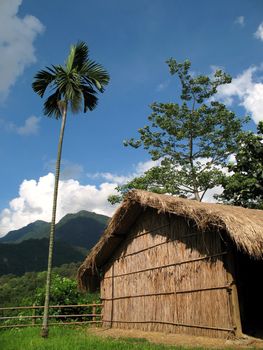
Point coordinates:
[[197, 196], [44, 331], [196, 193]]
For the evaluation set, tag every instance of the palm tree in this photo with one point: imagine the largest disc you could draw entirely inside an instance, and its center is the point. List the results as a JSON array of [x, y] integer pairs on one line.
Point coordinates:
[[74, 86]]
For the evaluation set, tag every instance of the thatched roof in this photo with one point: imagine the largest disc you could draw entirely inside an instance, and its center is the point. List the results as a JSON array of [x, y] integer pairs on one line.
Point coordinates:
[[243, 226]]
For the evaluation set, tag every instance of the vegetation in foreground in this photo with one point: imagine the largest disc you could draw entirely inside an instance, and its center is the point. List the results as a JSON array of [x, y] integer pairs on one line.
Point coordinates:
[[29, 289], [72, 338]]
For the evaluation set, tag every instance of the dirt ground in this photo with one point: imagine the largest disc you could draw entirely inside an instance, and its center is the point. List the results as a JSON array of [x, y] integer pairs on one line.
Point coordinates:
[[180, 339]]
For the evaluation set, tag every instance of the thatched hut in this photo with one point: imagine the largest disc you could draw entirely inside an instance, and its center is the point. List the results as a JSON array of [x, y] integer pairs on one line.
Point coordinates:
[[176, 265]]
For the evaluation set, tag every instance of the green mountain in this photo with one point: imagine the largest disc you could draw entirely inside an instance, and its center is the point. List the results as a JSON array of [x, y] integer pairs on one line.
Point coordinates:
[[81, 229], [35, 230], [26, 249], [31, 255]]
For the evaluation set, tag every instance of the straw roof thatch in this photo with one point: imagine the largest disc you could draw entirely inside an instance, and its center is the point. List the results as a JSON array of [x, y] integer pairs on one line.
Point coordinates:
[[243, 226]]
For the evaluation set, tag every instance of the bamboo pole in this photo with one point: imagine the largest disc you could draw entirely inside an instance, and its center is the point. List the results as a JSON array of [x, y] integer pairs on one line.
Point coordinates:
[[233, 294], [94, 312], [112, 293], [93, 315], [204, 289], [169, 265], [33, 315], [232, 330], [51, 306], [50, 324]]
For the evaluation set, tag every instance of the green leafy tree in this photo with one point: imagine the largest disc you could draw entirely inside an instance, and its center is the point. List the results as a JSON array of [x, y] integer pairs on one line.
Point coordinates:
[[192, 140], [21, 290], [64, 291], [244, 186], [29, 289], [73, 87]]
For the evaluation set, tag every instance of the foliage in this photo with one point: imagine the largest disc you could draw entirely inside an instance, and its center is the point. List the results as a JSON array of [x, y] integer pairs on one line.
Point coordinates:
[[68, 338], [245, 185], [29, 289], [63, 291], [193, 140], [16, 291], [74, 84]]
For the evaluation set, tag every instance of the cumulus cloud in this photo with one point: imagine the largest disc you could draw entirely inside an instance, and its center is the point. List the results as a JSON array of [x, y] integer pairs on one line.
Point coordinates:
[[17, 36], [139, 169], [34, 201], [112, 178], [248, 89], [240, 20], [259, 33], [30, 127]]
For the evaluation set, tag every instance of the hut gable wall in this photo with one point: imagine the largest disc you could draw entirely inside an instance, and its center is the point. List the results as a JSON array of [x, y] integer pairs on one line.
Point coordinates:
[[166, 275]]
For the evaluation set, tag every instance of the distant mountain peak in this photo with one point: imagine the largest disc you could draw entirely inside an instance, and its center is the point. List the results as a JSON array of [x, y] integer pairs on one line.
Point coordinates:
[[75, 233], [81, 229]]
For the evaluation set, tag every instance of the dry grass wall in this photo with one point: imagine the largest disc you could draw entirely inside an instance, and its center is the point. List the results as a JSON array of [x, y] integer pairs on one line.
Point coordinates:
[[168, 276]]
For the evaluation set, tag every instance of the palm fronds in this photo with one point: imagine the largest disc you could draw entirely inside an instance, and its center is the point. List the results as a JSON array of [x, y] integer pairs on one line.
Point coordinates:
[[75, 83]]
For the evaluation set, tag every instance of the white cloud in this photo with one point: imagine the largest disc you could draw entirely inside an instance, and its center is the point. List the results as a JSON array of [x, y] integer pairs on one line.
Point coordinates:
[[240, 20], [139, 169], [17, 36], [248, 89], [259, 33], [112, 178], [209, 195], [30, 127], [34, 201], [142, 167]]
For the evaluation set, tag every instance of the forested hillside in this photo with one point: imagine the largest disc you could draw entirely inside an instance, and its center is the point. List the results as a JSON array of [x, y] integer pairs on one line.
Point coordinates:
[[27, 289], [26, 249], [80, 229], [31, 255]]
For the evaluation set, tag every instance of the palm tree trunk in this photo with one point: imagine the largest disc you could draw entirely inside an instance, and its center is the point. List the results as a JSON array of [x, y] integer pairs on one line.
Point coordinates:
[[44, 331]]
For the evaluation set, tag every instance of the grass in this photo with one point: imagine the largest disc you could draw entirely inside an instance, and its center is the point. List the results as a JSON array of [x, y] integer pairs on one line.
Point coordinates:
[[69, 338]]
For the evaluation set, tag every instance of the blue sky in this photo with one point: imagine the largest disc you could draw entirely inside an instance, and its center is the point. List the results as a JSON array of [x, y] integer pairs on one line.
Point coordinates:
[[132, 40]]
